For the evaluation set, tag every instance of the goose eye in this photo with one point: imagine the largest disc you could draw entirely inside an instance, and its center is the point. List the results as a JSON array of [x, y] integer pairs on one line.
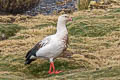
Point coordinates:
[[66, 16]]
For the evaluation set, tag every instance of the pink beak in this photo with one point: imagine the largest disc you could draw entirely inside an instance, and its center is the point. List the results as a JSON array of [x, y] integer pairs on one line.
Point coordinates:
[[70, 19]]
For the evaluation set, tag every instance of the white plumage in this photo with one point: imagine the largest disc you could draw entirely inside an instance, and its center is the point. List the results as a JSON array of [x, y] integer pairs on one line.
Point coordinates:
[[51, 46]]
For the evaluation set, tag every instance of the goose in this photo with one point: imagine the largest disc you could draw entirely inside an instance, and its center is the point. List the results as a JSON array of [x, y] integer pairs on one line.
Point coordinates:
[[51, 46]]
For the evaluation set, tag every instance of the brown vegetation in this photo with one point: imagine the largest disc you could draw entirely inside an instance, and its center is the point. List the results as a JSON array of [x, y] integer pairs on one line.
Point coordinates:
[[16, 6]]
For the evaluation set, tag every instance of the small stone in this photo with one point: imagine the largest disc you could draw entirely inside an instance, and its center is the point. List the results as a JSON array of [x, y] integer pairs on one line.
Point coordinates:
[[110, 67]]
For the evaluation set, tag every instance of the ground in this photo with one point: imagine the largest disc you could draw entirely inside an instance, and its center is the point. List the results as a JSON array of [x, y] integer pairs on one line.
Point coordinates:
[[93, 52]]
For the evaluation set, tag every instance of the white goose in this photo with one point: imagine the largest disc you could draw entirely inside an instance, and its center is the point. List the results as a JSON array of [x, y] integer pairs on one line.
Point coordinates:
[[52, 46]]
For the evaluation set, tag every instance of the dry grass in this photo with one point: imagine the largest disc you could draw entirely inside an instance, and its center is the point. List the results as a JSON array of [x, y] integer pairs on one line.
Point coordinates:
[[24, 20], [82, 4], [94, 43]]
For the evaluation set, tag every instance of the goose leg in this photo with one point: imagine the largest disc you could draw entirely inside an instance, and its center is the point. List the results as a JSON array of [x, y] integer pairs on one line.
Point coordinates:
[[55, 71], [52, 67]]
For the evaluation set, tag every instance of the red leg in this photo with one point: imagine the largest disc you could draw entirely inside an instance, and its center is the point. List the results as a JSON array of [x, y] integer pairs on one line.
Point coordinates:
[[52, 66], [50, 69]]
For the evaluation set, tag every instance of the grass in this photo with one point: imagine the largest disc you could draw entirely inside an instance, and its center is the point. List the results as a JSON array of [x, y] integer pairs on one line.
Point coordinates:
[[87, 30], [42, 69], [44, 25], [36, 69], [93, 49], [102, 74], [92, 29], [9, 29], [82, 4], [117, 10]]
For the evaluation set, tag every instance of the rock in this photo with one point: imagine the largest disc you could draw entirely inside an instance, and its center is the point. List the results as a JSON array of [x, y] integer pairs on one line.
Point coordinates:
[[48, 7], [3, 36]]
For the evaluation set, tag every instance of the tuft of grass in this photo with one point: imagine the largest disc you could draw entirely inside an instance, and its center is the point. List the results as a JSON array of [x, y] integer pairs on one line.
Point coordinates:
[[107, 17], [82, 4], [44, 25], [9, 29], [117, 10]]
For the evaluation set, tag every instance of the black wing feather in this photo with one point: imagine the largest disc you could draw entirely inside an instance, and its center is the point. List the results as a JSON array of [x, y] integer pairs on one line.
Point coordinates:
[[35, 49]]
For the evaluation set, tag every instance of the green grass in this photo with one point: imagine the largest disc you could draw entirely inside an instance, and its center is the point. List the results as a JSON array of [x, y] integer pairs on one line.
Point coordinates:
[[41, 70], [9, 29], [84, 29], [107, 17], [44, 25], [117, 10], [88, 35], [105, 72], [35, 69], [80, 17], [102, 74]]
